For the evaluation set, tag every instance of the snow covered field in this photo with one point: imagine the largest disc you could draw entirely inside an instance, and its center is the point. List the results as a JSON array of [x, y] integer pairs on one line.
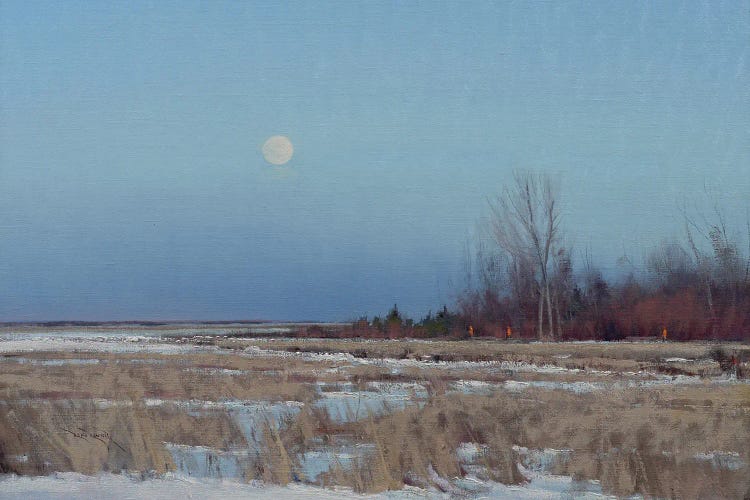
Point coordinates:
[[201, 413]]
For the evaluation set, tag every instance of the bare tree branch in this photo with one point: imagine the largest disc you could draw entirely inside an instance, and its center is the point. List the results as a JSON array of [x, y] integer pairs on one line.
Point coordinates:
[[525, 222]]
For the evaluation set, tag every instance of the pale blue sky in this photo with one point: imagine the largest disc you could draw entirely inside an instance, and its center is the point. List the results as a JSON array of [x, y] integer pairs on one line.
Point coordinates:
[[132, 183]]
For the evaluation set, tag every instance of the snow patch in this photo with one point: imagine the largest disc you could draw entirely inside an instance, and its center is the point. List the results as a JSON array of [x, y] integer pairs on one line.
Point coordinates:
[[727, 460]]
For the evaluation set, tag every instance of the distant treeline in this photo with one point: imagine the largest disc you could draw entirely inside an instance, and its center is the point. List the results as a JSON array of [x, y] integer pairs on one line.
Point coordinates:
[[393, 325], [522, 281]]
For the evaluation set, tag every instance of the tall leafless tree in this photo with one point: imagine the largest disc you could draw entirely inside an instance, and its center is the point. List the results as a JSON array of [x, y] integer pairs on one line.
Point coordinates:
[[721, 267], [526, 222], [562, 285]]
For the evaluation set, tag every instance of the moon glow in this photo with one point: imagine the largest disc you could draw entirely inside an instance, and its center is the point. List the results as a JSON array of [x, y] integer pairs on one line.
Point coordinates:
[[278, 150]]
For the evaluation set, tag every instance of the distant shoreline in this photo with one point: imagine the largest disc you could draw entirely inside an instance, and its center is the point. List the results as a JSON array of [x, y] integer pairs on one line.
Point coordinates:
[[234, 328], [161, 323]]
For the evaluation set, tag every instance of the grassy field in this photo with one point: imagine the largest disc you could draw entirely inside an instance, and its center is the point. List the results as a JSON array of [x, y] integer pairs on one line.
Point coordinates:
[[655, 419]]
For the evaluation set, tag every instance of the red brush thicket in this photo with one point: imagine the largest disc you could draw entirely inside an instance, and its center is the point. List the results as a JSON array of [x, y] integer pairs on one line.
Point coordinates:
[[692, 298], [523, 281], [706, 296], [524, 277]]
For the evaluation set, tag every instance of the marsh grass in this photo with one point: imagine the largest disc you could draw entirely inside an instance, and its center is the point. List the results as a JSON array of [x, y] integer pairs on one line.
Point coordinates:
[[629, 353], [637, 440], [78, 436], [632, 442]]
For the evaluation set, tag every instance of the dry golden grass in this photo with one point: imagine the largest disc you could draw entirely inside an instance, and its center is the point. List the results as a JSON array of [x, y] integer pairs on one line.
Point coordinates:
[[615, 356], [637, 440], [199, 377], [634, 442], [77, 436]]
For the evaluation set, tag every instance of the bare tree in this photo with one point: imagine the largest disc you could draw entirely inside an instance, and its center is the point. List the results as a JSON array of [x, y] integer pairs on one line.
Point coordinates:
[[562, 285], [721, 267], [671, 267], [525, 222], [595, 287], [703, 265]]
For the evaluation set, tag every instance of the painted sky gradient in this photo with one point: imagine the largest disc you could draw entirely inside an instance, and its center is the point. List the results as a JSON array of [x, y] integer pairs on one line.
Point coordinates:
[[132, 183]]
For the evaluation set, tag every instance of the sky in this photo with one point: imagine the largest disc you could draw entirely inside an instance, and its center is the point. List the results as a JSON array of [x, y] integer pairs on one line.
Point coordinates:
[[132, 183]]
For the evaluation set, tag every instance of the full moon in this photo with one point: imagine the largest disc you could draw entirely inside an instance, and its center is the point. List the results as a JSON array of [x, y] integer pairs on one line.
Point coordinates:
[[278, 150]]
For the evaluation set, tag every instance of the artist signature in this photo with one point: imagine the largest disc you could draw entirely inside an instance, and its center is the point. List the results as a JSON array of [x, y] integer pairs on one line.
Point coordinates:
[[102, 436], [86, 434]]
